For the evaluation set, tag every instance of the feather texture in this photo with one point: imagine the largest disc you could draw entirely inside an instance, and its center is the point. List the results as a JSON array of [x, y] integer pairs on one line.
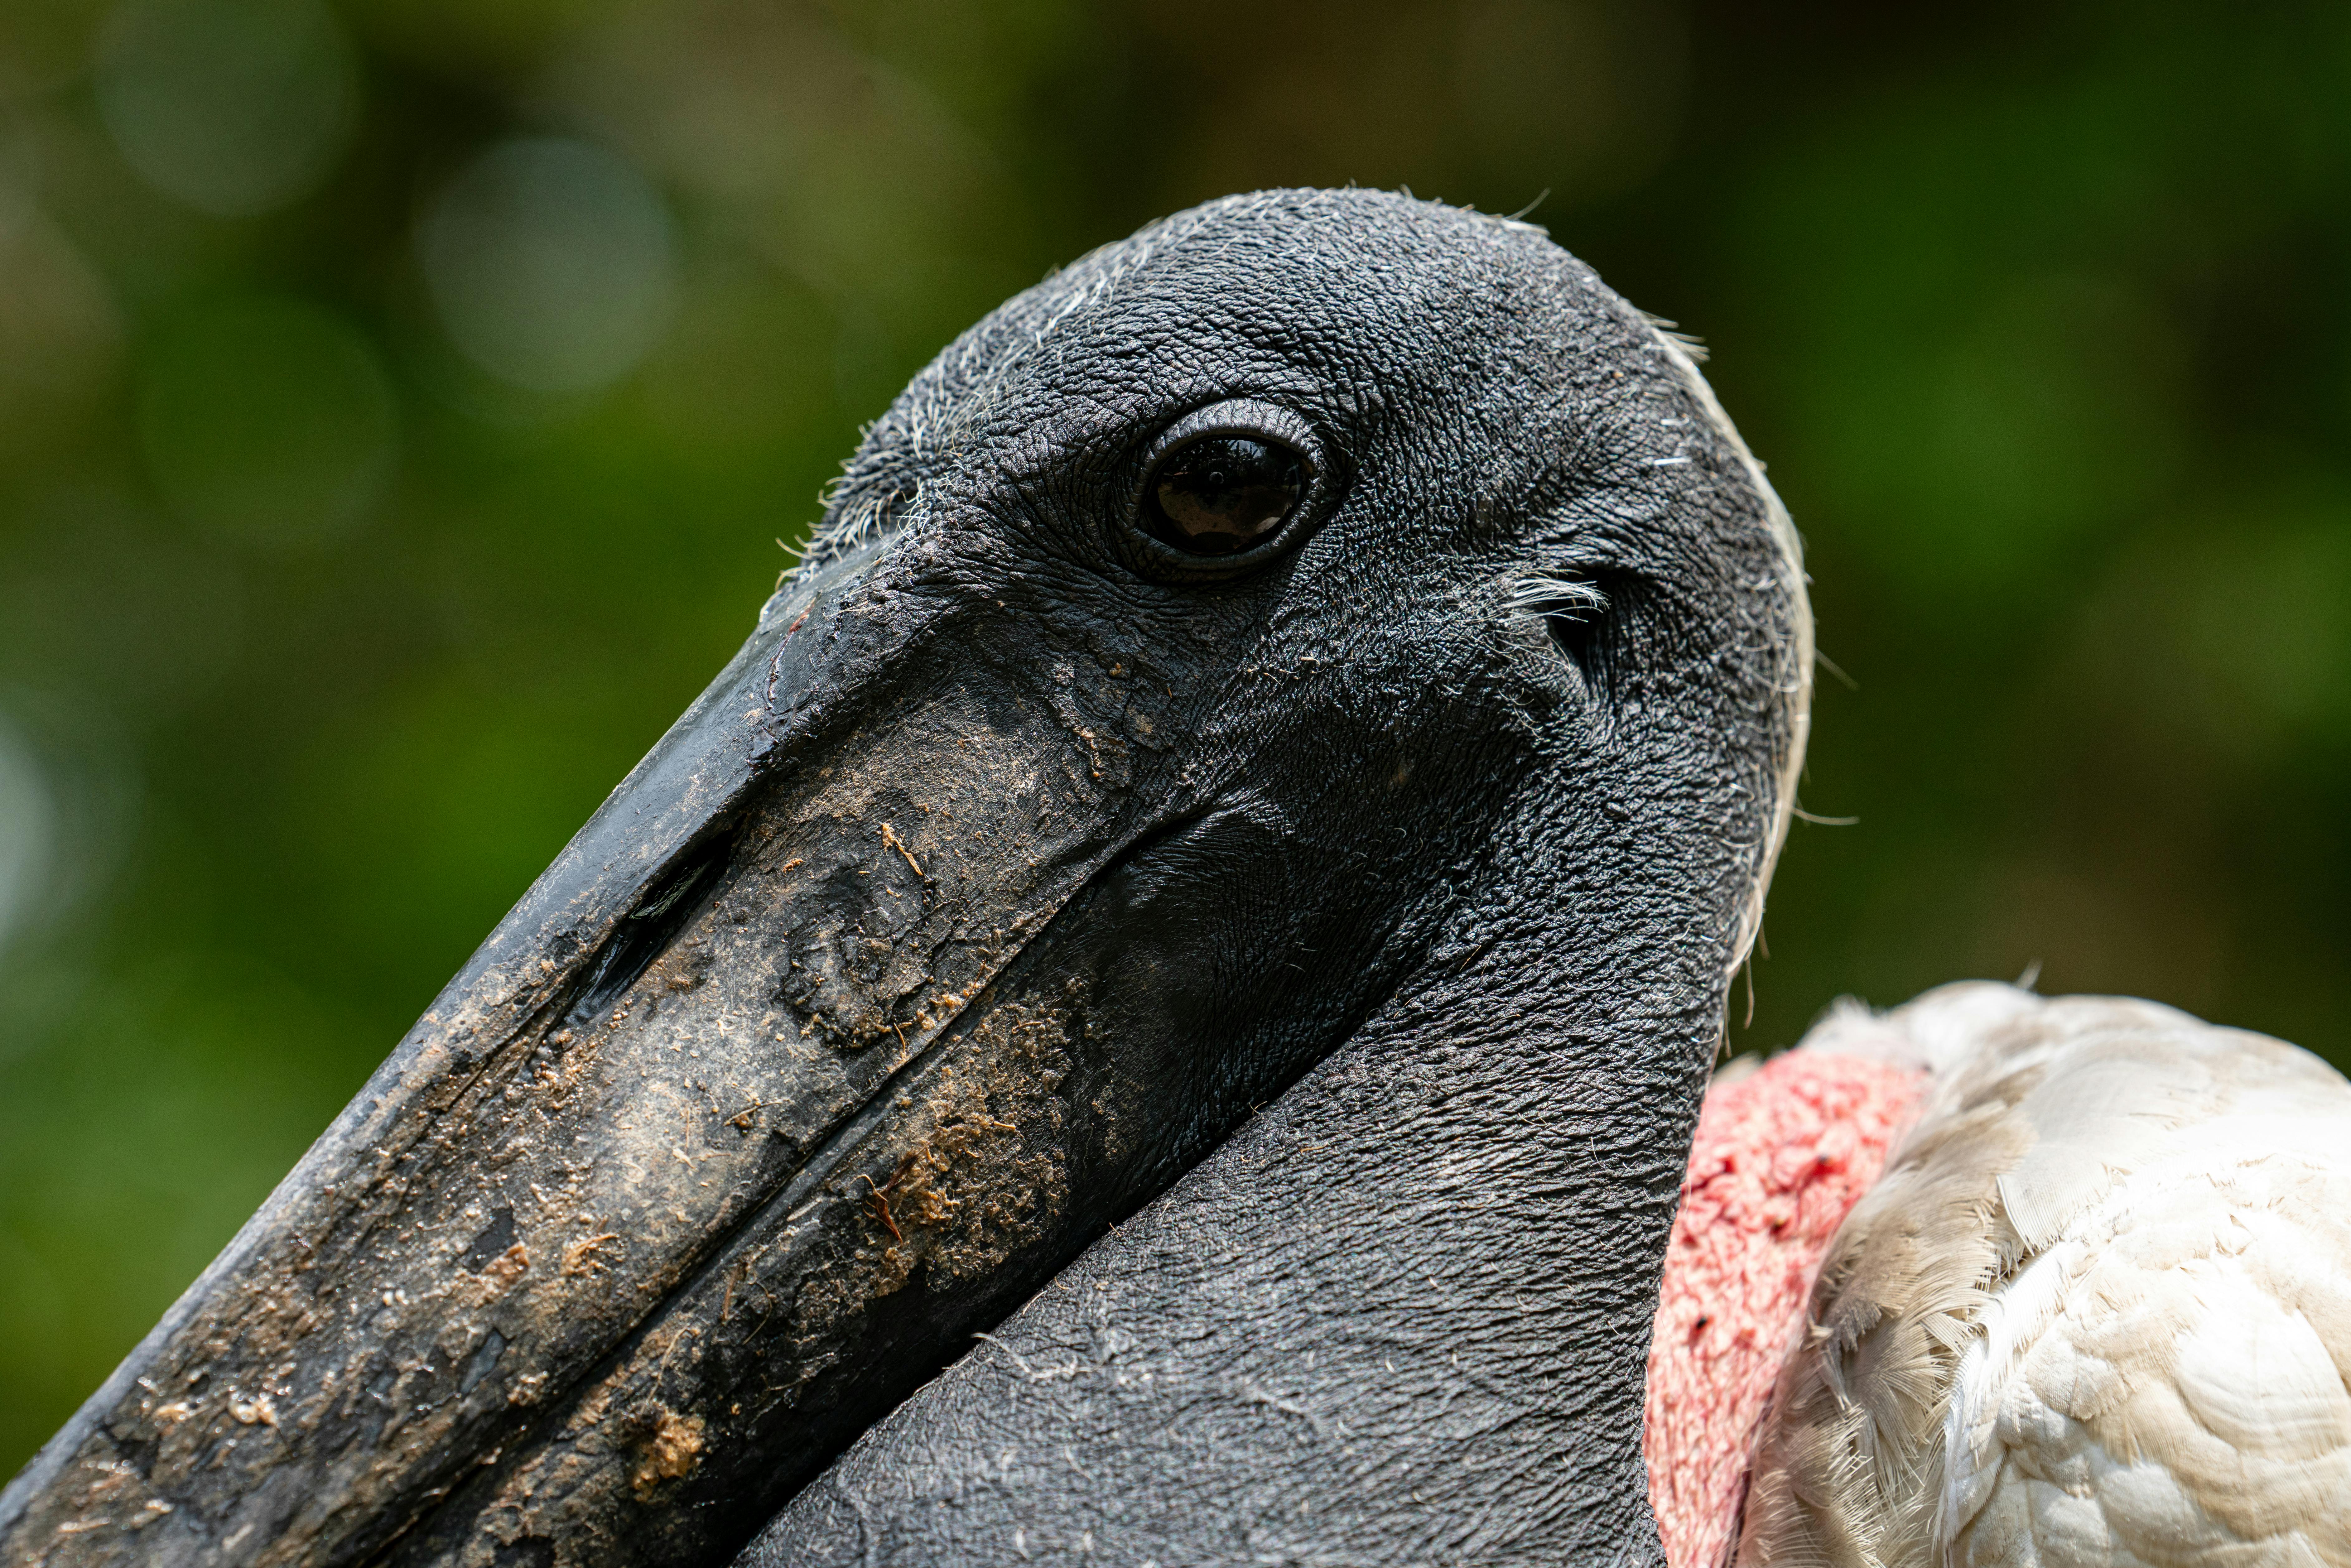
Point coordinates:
[[2096, 1313], [1781, 1152]]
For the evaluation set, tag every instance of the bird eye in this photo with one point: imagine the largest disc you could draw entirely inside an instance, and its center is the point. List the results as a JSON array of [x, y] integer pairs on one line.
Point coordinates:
[[1221, 495]]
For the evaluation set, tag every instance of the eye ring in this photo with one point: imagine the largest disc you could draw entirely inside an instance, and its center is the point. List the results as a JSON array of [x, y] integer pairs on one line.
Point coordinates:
[[1225, 489]]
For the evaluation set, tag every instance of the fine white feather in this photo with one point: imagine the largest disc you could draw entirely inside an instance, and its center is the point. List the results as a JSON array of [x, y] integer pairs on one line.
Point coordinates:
[[2096, 1314]]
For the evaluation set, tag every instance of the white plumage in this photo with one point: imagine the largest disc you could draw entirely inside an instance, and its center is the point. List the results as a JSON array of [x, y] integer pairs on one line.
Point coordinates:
[[2096, 1314]]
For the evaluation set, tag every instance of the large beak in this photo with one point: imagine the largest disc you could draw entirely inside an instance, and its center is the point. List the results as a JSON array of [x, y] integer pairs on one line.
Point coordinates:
[[837, 1030]]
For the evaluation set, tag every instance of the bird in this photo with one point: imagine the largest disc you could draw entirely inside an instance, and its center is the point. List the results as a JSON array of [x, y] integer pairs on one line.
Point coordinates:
[[1156, 1010], [1241, 822], [1998, 1280]]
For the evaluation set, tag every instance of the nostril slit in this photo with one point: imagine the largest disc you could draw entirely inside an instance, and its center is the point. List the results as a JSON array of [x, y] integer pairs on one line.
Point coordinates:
[[661, 910]]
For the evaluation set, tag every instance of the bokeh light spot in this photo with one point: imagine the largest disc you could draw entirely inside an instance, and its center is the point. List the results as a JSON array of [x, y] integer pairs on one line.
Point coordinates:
[[266, 421], [29, 828], [551, 263], [233, 107], [58, 328]]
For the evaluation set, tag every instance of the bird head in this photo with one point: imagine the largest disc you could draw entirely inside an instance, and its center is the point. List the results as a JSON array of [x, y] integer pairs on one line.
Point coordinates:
[[1318, 602]]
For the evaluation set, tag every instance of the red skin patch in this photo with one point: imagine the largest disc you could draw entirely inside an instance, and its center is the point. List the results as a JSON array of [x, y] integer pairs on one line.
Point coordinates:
[[1781, 1155]]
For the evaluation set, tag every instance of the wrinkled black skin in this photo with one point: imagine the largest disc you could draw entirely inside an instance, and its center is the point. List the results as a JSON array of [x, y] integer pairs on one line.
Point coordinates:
[[1452, 884]]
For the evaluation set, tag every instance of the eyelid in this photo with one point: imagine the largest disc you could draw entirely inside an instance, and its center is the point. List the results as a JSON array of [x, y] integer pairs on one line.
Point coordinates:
[[1240, 416]]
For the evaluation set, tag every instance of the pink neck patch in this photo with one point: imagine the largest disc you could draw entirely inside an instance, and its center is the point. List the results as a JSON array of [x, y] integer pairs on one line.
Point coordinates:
[[1781, 1155]]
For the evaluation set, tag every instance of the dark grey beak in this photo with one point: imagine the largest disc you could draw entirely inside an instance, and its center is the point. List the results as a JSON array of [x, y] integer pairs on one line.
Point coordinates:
[[765, 1097]]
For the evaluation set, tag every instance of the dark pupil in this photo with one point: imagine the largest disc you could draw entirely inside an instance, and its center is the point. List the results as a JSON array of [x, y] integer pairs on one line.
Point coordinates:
[[1224, 493]]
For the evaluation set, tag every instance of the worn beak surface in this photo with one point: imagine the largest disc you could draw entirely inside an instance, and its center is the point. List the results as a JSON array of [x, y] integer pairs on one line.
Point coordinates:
[[763, 1098]]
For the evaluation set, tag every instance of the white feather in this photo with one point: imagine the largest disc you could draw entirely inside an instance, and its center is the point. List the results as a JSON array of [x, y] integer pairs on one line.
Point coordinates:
[[1550, 593], [2097, 1314]]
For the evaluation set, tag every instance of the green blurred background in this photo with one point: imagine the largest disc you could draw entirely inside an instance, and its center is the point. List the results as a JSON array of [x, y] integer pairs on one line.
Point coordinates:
[[400, 405]]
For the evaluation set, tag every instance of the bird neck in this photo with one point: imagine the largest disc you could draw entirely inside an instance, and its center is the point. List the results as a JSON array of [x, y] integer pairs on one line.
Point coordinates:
[[1781, 1154]]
